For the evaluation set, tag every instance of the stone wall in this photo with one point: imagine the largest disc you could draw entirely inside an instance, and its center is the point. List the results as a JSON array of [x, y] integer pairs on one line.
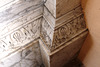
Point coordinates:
[[20, 25], [57, 30]]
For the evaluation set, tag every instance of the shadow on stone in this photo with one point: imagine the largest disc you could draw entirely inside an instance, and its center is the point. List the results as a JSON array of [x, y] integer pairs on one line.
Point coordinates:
[[74, 63]]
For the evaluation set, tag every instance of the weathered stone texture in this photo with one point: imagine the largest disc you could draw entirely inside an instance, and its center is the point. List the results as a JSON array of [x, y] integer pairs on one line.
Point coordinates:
[[17, 9], [21, 21], [65, 28], [68, 31], [65, 6], [19, 24], [65, 18], [46, 33], [68, 51], [59, 24], [49, 18], [51, 5], [20, 37], [60, 7], [29, 56]]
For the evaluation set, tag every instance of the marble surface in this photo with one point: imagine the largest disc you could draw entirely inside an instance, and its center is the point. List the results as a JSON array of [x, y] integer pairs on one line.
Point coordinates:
[[20, 24], [46, 33], [27, 16], [51, 5], [29, 56], [63, 29], [65, 18], [59, 8], [26, 21], [20, 38]]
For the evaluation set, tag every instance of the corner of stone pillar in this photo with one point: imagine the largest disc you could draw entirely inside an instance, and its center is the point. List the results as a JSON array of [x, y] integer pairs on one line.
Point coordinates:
[[63, 32]]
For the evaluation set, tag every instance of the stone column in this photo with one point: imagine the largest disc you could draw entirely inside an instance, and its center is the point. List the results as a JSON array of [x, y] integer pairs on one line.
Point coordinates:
[[63, 31]]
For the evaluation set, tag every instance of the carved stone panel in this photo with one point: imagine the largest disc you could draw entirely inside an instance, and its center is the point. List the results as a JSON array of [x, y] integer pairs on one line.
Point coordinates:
[[64, 33], [58, 23], [46, 33], [20, 37], [19, 24], [68, 31], [65, 28]]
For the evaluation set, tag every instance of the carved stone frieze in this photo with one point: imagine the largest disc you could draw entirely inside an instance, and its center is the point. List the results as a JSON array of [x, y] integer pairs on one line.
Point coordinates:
[[20, 37], [66, 27], [46, 33], [64, 33], [19, 24], [58, 23], [68, 31]]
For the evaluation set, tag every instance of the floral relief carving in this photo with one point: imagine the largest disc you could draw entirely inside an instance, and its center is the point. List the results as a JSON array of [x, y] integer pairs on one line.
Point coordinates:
[[29, 25], [25, 34], [63, 33], [52, 36], [68, 30]]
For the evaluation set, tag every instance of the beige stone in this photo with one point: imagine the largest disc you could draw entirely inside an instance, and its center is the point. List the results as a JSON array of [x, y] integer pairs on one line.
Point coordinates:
[[65, 18], [58, 25]]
